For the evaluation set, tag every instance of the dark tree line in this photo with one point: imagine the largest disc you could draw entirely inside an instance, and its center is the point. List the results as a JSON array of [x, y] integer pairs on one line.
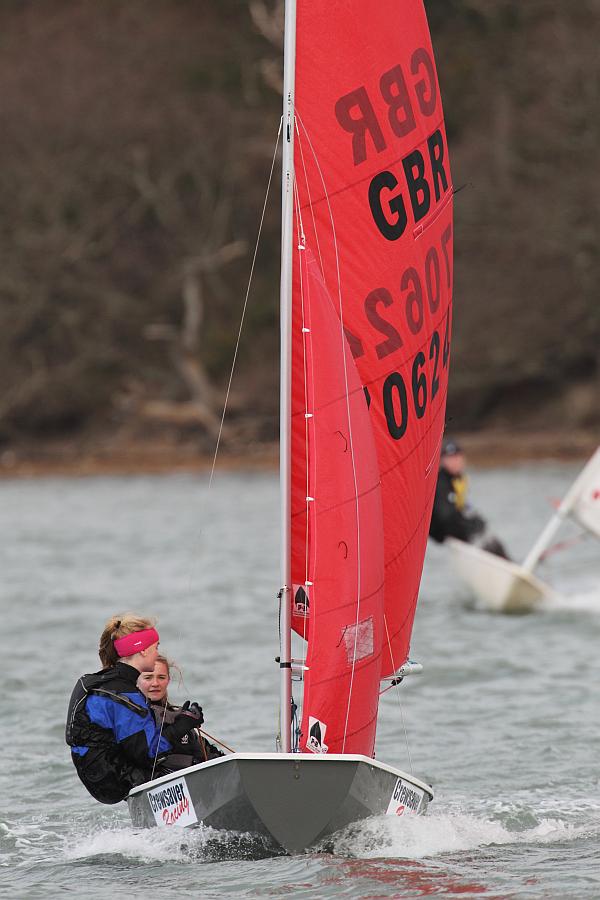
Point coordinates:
[[136, 143]]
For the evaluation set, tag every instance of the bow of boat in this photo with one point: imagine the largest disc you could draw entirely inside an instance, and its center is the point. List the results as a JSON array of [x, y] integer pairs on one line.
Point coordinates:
[[294, 800]]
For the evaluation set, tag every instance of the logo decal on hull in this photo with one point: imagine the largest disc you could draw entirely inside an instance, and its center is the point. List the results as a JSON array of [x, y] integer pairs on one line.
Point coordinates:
[[405, 797], [171, 804]]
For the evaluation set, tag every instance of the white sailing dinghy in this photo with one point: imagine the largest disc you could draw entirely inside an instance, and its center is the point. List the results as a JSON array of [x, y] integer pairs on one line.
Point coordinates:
[[366, 289], [503, 586]]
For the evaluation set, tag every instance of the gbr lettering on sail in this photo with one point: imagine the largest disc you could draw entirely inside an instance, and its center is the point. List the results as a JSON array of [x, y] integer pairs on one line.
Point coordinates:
[[401, 325], [422, 178]]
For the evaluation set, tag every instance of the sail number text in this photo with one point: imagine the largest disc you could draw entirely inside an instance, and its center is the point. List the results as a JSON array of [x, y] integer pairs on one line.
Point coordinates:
[[401, 401], [417, 294], [422, 390], [403, 103], [391, 317], [404, 95]]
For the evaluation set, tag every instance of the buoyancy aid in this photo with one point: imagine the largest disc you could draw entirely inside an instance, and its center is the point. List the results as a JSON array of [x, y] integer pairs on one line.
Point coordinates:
[[99, 761], [460, 486]]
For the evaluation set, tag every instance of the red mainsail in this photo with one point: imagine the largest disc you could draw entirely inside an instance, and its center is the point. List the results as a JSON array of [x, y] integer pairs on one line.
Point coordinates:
[[371, 329]]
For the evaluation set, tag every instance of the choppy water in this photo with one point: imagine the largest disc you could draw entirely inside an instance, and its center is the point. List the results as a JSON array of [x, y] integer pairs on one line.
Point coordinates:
[[505, 722]]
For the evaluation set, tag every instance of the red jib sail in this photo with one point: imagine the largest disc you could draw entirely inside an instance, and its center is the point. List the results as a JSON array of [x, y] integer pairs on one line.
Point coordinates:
[[371, 330]]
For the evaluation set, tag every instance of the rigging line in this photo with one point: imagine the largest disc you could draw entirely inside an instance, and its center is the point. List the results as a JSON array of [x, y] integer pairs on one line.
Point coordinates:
[[349, 420], [239, 336], [211, 737], [162, 722], [243, 315], [397, 686]]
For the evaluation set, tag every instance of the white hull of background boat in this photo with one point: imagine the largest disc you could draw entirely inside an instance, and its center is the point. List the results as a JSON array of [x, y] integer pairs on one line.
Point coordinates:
[[495, 583], [292, 799]]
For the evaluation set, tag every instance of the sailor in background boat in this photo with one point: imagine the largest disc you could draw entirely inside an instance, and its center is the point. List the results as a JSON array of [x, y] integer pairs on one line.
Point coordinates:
[[114, 739], [452, 516], [192, 748]]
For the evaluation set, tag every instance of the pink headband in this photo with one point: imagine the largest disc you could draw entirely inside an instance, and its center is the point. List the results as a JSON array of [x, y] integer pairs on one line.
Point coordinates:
[[136, 641]]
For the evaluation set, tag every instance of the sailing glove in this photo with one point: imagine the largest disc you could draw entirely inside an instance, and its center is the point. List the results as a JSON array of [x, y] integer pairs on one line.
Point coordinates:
[[193, 709], [182, 725]]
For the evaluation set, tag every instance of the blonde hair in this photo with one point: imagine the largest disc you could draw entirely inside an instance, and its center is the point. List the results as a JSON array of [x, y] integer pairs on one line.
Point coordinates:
[[170, 666], [117, 627], [166, 662]]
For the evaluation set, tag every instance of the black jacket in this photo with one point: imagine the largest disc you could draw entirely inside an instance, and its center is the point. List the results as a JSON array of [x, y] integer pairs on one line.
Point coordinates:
[[112, 733]]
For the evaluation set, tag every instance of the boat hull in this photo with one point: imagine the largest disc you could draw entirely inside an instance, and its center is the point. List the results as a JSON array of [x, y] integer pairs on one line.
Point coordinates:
[[495, 583], [294, 800]]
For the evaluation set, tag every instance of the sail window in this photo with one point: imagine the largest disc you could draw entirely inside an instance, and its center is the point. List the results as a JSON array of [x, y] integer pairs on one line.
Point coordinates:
[[359, 640]]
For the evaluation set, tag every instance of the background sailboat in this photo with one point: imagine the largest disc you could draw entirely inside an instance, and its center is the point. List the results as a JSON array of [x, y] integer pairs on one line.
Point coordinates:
[[503, 586], [366, 290]]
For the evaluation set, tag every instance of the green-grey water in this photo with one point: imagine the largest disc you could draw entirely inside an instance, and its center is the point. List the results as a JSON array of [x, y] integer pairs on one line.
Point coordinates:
[[504, 722]]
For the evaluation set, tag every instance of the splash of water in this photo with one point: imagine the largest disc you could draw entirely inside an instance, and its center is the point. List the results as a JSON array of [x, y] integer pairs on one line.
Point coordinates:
[[583, 601], [418, 837], [198, 844]]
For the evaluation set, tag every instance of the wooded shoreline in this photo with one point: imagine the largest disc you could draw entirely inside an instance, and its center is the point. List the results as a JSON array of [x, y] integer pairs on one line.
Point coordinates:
[[122, 456], [135, 155]]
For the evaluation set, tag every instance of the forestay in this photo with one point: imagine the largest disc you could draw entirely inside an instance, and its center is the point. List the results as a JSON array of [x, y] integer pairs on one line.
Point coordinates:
[[372, 285]]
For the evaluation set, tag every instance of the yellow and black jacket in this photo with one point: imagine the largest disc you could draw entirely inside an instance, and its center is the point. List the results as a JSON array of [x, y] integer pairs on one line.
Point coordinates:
[[451, 516]]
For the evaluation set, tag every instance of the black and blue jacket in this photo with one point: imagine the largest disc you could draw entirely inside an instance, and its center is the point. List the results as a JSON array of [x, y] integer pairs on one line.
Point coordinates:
[[112, 733]]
